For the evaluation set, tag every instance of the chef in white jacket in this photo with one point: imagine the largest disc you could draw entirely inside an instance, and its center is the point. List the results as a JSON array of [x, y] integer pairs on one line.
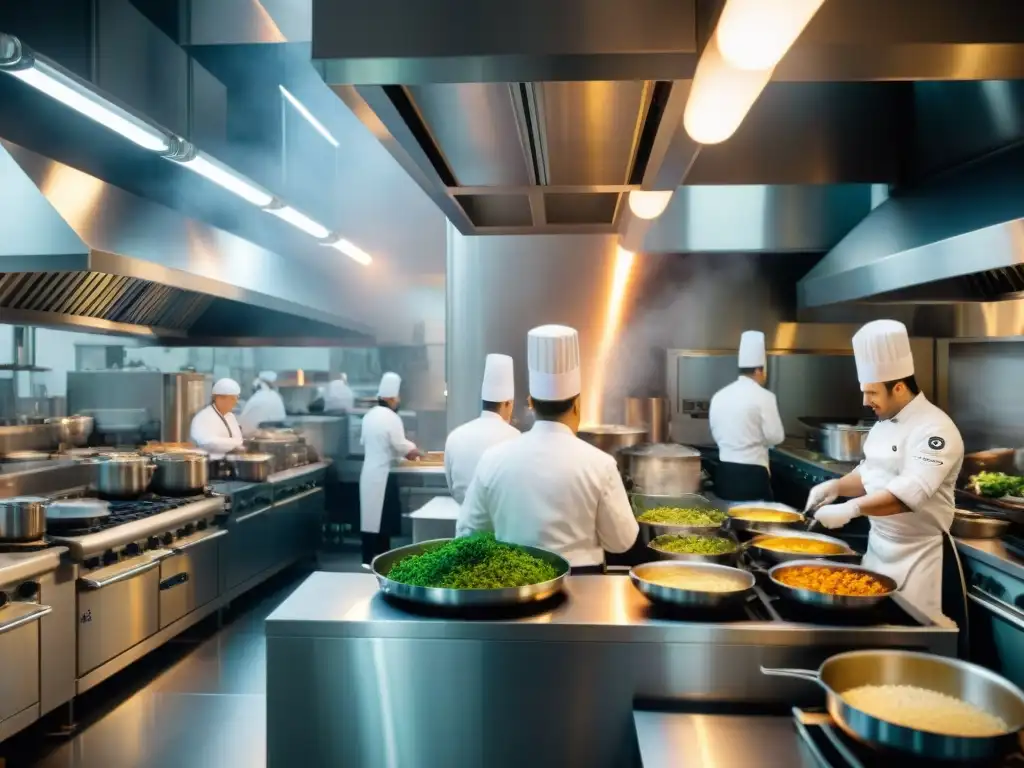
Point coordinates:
[[339, 396], [745, 423], [547, 488], [215, 428], [467, 443], [383, 440], [266, 404], [906, 483]]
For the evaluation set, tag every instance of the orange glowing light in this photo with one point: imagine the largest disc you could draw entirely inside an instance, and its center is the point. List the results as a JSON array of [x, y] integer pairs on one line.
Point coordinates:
[[622, 271], [300, 378]]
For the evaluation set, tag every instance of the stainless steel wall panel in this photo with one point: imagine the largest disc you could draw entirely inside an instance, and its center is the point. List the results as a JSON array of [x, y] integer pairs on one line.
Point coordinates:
[[983, 392]]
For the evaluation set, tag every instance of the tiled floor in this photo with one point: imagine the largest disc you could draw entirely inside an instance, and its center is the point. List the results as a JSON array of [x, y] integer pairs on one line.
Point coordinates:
[[198, 702]]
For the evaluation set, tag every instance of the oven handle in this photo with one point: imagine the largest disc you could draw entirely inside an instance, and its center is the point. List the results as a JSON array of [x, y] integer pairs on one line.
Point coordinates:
[[125, 574], [251, 515], [1005, 611], [298, 496], [38, 613], [196, 542]]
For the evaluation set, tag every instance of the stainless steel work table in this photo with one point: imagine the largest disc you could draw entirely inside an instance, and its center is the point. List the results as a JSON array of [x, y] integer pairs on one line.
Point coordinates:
[[355, 680], [994, 553]]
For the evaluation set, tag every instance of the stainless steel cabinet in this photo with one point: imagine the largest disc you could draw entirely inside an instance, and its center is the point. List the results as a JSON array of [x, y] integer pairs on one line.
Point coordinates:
[[244, 551], [19, 657], [115, 615], [189, 579]]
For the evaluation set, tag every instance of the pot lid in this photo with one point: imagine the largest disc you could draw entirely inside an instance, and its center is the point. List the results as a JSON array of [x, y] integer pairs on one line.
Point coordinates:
[[661, 451], [612, 429], [70, 509], [24, 500]]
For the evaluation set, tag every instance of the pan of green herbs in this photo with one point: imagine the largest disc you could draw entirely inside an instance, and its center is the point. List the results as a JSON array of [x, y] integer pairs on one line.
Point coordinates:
[[472, 571], [721, 549], [660, 515]]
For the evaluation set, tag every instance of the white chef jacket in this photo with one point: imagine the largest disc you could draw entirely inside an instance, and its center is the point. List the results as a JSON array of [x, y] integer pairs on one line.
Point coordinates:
[[916, 456], [339, 397], [383, 440], [264, 405], [549, 489], [215, 433], [466, 444], [745, 422]]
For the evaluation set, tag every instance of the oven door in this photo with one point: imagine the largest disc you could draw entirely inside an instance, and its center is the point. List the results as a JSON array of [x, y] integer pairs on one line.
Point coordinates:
[[189, 577], [19, 651], [118, 607]]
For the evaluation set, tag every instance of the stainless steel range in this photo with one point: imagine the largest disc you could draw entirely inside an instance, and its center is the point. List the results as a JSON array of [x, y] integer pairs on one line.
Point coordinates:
[[147, 565]]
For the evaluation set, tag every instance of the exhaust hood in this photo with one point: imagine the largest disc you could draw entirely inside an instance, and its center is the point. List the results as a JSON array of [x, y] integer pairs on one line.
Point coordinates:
[[80, 253], [958, 238]]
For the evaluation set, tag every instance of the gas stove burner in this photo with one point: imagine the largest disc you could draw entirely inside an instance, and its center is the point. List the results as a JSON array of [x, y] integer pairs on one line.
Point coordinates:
[[126, 511]]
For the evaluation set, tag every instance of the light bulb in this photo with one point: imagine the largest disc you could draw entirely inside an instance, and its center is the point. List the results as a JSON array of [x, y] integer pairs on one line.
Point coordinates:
[[648, 205], [755, 34]]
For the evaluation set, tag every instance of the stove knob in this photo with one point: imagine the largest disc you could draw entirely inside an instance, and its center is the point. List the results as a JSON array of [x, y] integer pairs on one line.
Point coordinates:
[[167, 539], [188, 530], [132, 549], [201, 525], [152, 543], [109, 557], [92, 562]]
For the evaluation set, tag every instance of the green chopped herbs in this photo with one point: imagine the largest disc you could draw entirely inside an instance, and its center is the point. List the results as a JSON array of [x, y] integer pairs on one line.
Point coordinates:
[[682, 516], [694, 545], [474, 562], [996, 484]]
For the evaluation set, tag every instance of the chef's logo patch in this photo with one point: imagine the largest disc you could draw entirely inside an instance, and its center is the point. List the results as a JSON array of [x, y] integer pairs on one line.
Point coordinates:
[[929, 460], [936, 443]]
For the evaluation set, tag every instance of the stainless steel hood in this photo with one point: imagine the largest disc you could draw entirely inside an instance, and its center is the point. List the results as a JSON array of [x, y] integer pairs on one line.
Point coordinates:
[[78, 252], [959, 238]]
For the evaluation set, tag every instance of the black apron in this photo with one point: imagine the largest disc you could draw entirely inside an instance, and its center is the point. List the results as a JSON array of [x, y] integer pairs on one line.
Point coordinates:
[[391, 511], [742, 482]]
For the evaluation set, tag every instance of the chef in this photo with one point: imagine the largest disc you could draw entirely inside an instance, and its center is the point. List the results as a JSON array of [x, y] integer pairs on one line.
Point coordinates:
[[547, 488], [215, 428], [339, 396], [266, 404], [466, 444], [905, 485], [745, 423], [383, 440]]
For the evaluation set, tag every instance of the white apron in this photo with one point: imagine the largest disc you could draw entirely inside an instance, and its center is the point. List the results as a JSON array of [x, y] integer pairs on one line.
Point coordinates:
[[906, 547], [373, 480]]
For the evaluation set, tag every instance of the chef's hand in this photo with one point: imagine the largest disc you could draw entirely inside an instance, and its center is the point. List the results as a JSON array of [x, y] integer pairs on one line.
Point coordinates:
[[822, 494], [837, 515]]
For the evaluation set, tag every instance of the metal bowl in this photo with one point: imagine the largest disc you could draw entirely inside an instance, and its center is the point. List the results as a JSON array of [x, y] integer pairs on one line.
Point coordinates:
[[688, 598], [465, 598], [847, 555], [820, 599], [641, 502], [726, 558], [971, 525], [758, 526]]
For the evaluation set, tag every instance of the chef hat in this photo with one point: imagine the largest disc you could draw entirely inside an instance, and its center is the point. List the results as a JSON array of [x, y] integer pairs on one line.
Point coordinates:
[[390, 383], [752, 354], [268, 376], [498, 385], [227, 387], [553, 358], [882, 352]]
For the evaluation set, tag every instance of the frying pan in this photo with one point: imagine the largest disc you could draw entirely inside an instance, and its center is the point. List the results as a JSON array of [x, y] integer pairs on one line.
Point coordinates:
[[960, 679], [822, 600], [75, 514], [775, 556]]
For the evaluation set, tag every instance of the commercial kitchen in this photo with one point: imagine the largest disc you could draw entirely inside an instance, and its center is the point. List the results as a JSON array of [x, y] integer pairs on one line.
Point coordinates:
[[442, 178]]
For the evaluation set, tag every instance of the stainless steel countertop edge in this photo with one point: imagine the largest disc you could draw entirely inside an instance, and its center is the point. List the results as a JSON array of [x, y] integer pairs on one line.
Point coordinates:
[[19, 566], [294, 472], [992, 552]]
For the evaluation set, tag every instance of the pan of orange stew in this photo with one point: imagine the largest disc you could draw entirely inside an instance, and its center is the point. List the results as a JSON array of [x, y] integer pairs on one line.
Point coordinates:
[[831, 585]]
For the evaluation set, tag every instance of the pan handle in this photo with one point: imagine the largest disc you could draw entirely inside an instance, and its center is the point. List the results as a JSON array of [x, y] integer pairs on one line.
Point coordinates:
[[810, 675]]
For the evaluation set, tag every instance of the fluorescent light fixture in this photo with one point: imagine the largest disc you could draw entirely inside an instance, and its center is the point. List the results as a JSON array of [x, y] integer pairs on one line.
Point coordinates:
[[309, 116], [721, 96], [755, 34], [301, 221], [224, 176], [648, 205], [353, 251], [65, 89]]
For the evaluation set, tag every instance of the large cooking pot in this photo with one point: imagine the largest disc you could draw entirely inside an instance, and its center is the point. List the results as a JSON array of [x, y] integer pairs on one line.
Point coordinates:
[[22, 518], [283, 448], [250, 467], [180, 474], [960, 679], [611, 438], [839, 439], [661, 469], [71, 431], [122, 476]]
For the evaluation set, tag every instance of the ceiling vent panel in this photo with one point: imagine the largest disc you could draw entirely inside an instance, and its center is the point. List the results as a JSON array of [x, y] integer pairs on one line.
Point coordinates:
[[497, 210], [581, 208]]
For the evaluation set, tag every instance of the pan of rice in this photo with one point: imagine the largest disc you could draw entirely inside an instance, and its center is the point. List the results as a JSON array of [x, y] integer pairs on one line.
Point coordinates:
[[919, 703]]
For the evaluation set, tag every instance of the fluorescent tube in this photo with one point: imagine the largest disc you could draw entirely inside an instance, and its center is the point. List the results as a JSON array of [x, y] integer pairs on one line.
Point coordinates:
[[321, 129], [224, 176], [301, 221], [353, 251]]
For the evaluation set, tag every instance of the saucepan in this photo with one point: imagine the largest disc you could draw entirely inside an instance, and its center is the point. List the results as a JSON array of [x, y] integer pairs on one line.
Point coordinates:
[[961, 680]]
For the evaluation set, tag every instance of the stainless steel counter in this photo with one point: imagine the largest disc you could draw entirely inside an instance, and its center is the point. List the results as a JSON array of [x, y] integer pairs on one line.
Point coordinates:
[[795, 449], [670, 740], [466, 691], [994, 553], [21, 566]]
